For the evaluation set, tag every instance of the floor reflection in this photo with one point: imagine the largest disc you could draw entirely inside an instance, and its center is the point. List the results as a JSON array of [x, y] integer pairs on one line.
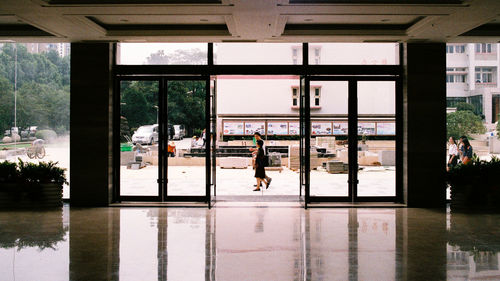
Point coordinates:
[[248, 243]]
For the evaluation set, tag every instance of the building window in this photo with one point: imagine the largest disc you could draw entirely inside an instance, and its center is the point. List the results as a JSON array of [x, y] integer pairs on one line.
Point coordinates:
[[477, 102], [317, 55], [296, 52], [449, 49], [315, 93], [453, 101], [484, 75], [483, 48], [317, 96], [460, 49], [295, 96], [456, 75]]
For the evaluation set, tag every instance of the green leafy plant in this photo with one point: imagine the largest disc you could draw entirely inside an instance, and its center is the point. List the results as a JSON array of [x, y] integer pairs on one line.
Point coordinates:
[[478, 181], [43, 172], [8, 172]]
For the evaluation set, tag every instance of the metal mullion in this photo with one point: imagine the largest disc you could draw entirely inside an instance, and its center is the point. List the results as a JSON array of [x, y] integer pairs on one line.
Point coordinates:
[[163, 70], [353, 138], [208, 142], [116, 139], [307, 144], [399, 140], [162, 162]]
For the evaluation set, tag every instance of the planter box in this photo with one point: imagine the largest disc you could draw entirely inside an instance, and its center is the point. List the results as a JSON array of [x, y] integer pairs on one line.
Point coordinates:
[[468, 197], [50, 196]]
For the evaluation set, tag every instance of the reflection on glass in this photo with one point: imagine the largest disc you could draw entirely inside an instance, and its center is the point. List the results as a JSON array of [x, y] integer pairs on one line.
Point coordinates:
[[377, 138], [139, 135], [162, 53], [354, 53], [329, 157], [258, 53], [186, 137]]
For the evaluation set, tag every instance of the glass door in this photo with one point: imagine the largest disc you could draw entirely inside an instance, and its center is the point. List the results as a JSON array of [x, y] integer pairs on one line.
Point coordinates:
[[329, 140], [186, 125], [376, 140], [350, 153], [139, 175]]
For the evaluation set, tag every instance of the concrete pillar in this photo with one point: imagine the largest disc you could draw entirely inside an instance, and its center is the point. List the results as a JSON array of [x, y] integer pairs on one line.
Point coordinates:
[[424, 118], [91, 126]]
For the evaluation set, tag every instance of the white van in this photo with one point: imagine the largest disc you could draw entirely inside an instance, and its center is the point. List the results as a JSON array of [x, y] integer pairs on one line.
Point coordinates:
[[146, 134], [179, 132]]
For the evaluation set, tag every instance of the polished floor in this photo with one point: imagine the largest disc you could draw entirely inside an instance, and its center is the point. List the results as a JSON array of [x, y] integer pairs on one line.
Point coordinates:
[[248, 242]]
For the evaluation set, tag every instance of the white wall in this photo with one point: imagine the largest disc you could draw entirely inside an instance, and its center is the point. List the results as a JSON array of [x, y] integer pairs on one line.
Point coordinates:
[[274, 96]]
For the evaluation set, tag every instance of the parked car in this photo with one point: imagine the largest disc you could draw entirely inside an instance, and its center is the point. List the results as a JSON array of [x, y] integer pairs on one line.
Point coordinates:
[[147, 134], [179, 132]]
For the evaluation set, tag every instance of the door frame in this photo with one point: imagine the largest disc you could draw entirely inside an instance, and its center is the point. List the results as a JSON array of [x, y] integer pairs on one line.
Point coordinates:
[[353, 181], [162, 140], [193, 72]]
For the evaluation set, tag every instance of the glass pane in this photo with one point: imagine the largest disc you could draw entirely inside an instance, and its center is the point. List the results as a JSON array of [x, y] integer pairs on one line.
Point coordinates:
[[139, 138], [258, 53], [186, 137], [377, 138], [329, 157], [264, 104], [35, 103], [162, 53], [354, 53]]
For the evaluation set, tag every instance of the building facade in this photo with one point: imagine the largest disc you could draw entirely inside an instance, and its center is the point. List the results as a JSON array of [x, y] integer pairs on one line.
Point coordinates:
[[472, 76]]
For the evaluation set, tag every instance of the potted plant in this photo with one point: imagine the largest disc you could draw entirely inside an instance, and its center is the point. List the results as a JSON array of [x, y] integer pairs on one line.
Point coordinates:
[[27, 185], [475, 185]]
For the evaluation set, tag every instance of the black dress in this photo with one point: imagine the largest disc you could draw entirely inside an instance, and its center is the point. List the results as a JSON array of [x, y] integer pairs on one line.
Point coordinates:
[[260, 172]]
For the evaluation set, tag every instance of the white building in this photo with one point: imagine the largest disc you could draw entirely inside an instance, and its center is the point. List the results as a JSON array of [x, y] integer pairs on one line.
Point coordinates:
[[472, 76], [270, 103]]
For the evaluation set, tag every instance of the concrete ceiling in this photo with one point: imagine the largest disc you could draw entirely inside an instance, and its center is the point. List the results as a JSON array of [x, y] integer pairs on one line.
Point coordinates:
[[250, 20]]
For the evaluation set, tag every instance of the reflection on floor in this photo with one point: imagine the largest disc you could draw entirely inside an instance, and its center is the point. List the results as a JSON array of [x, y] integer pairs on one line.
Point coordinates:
[[261, 242]]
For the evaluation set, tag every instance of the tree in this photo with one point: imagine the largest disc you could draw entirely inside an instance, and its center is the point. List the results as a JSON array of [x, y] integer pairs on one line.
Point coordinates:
[[464, 123], [189, 56], [463, 106]]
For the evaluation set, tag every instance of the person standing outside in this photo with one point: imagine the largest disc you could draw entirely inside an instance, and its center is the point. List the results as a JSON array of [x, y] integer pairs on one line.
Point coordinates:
[[452, 153], [260, 172], [171, 149], [466, 151]]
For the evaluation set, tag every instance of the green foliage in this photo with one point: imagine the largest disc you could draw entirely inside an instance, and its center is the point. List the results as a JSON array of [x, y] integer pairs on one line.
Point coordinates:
[[42, 172], [464, 123], [479, 180], [463, 106], [43, 89], [46, 135], [31, 173], [8, 172]]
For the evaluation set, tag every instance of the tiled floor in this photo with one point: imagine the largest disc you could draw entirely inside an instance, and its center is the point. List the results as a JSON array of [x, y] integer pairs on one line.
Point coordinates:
[[261, 242]]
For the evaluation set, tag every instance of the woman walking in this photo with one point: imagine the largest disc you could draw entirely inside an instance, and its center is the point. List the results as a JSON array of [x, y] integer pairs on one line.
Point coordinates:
[[260, 172], [452, 153]]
